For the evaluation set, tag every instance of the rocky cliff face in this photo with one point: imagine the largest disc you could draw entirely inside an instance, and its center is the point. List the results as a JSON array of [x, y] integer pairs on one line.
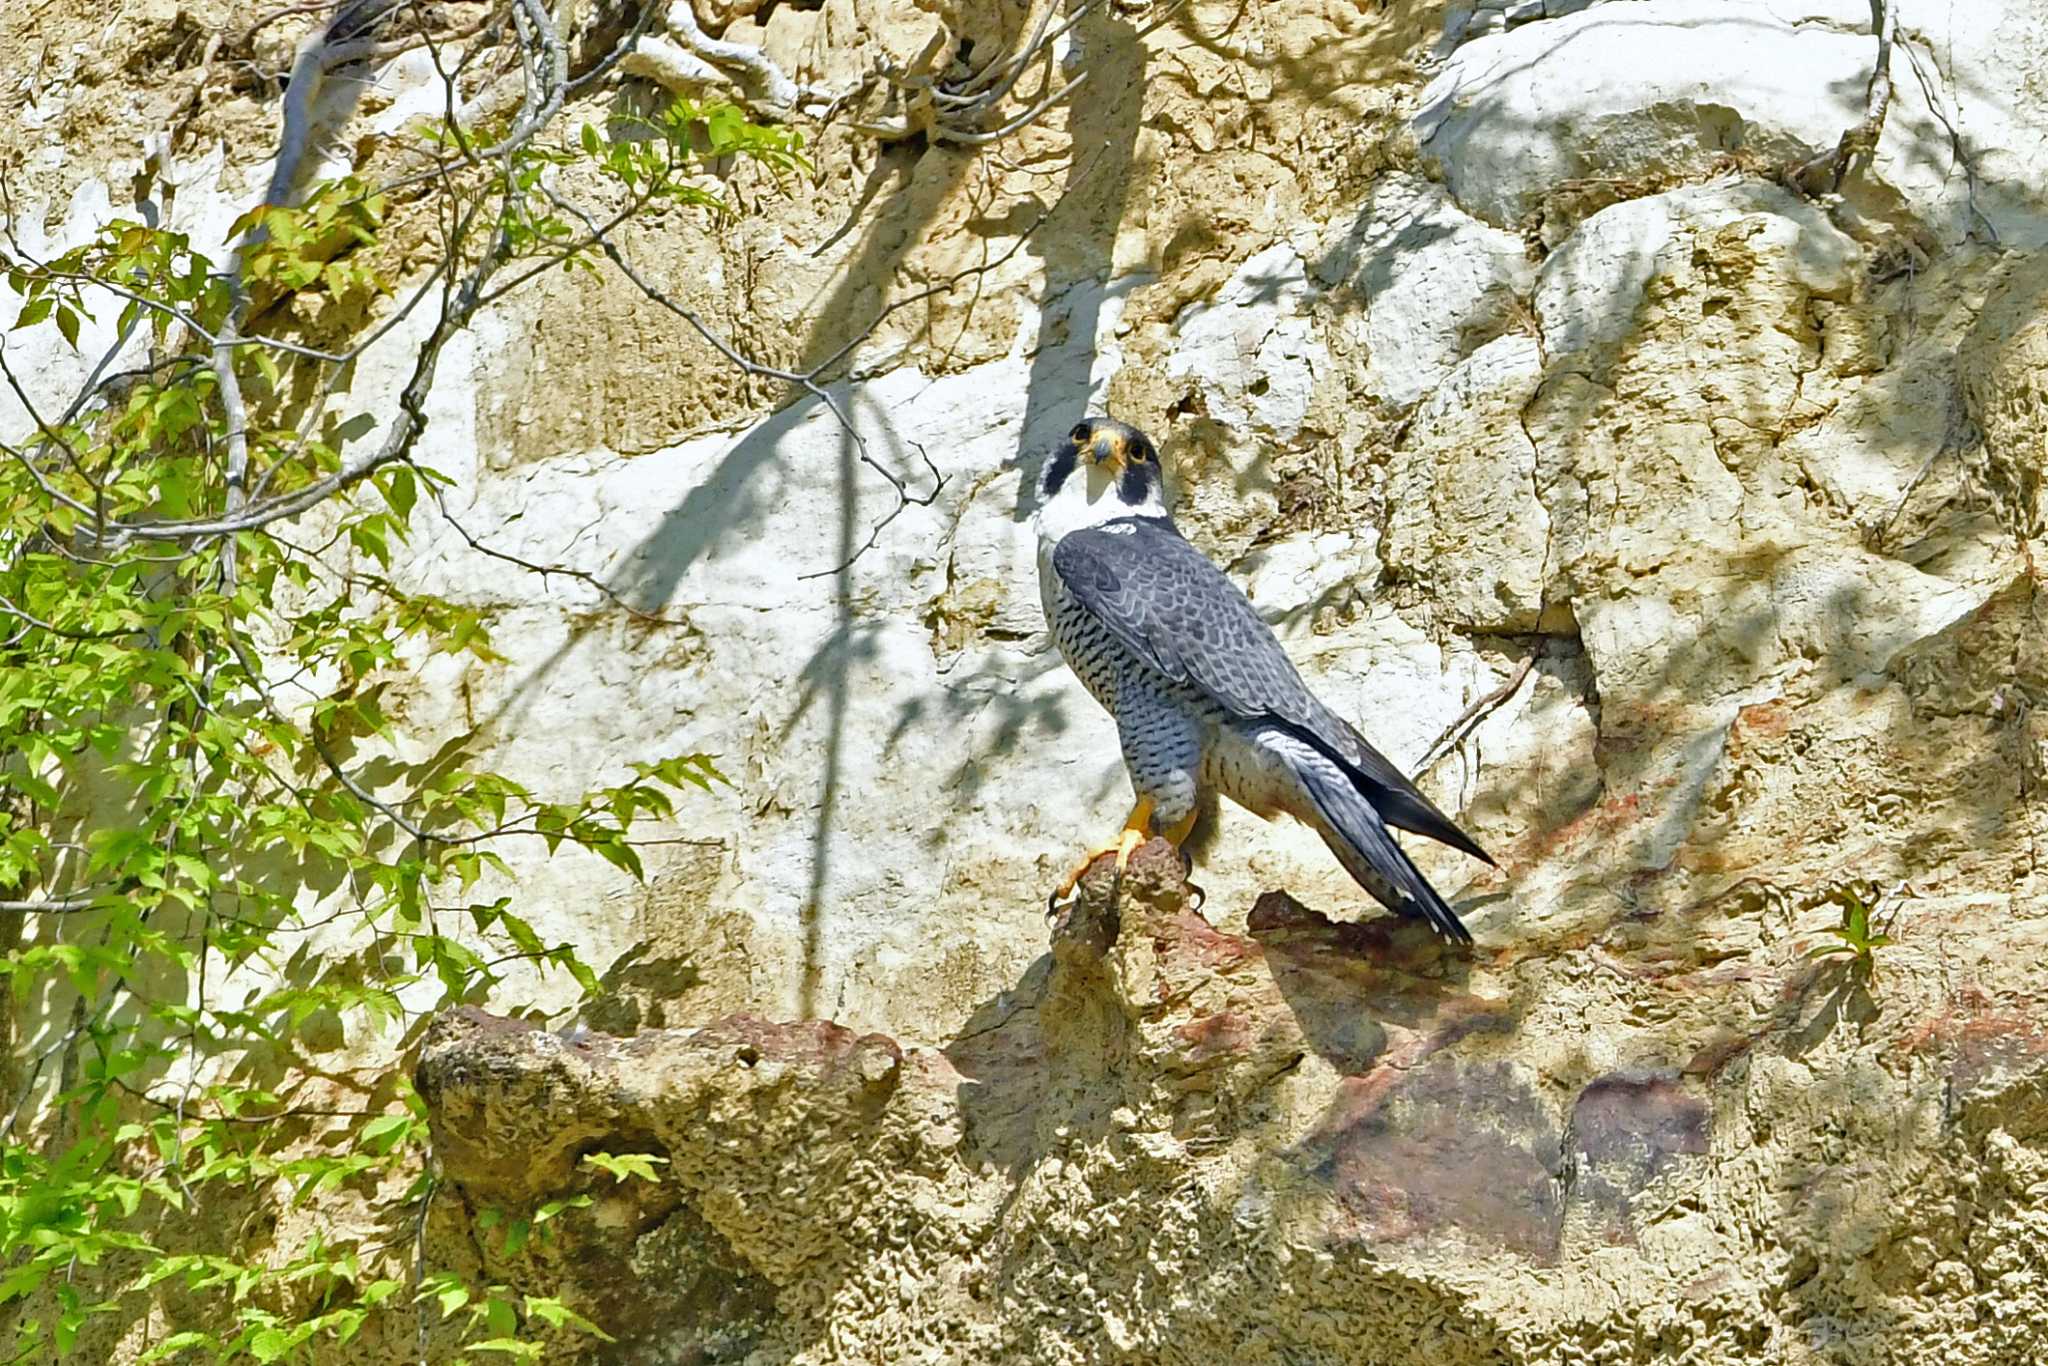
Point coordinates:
[[1305, 1141], [1488, 348]]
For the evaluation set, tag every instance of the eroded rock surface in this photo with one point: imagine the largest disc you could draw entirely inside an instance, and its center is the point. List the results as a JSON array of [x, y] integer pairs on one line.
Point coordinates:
[[1172, 1143]]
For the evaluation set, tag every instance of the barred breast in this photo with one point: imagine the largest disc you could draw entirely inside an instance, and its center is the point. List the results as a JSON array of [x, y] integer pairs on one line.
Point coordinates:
[[1083, 641]]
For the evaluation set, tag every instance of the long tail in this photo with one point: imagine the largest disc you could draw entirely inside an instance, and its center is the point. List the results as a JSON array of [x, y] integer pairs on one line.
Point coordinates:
[[1362, 843]]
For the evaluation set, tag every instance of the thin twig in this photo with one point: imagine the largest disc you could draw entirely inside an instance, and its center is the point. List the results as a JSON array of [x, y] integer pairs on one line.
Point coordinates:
[[1469, 719], [66, 905], [547, 571]]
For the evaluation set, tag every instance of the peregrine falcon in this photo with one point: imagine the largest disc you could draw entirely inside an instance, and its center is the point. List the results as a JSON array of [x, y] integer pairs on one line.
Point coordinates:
[[1205, 700]]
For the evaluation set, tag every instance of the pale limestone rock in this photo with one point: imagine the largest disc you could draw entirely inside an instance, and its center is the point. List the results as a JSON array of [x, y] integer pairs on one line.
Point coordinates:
[[1515, 113], [1467, 526], [1325, 1095], [1968, 155], [2004, 364], [1295, 582], [1665, 90], [1590, 292], [1700, 351], [1252, 349], [1430, 279]]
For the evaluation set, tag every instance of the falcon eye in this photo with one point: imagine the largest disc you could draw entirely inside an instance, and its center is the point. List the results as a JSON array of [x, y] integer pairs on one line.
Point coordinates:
[[1081, 433]]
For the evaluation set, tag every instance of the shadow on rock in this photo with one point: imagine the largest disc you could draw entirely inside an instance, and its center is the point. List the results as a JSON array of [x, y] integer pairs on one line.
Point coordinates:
[[788, 1154]]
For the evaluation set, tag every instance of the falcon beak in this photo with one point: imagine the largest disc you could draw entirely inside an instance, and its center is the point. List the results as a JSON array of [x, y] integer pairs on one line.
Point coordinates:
[[1107, 449]]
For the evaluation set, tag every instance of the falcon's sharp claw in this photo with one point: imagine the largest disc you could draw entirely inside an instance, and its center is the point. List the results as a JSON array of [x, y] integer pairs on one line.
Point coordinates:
[[1070, 884], [1137, 828], [1125, 845]]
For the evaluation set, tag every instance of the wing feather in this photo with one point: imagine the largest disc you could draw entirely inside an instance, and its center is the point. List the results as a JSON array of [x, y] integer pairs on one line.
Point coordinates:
[[1162, 599]]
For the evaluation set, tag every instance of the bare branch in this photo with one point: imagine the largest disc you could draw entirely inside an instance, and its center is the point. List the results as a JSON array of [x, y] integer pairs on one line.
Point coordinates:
[[1823, 174], [954, 113], [547, 571], [550, 85], [254, 672], [39, 624], [1957, 148], [55, 906], [943, 133], [1468, 720], [765, 88], [49, 434], [234, 413]]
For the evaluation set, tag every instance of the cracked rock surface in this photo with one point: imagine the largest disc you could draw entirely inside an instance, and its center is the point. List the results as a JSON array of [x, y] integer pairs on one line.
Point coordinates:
[[1173, 1143]]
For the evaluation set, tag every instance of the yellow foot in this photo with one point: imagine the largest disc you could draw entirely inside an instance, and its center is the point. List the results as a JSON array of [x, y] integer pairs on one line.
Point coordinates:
[[1136, 831]]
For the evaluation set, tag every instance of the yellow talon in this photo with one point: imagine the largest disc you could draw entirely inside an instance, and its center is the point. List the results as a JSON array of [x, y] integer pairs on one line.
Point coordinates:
[[1126, 844], [1137, 829]]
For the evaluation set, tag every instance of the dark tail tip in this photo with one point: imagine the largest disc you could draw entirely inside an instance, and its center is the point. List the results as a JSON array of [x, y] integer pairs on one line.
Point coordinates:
[[1426, 903]]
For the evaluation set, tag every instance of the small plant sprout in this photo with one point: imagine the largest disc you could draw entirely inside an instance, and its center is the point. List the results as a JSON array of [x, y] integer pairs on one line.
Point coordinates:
[[1867, 916]]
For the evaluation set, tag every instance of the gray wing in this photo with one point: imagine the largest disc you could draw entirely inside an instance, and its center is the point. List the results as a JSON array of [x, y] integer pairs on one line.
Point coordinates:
[[1162, 600]]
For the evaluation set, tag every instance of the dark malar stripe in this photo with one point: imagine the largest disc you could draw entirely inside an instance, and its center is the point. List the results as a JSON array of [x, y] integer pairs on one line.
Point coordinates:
[[1134, 484], [1056, 473]]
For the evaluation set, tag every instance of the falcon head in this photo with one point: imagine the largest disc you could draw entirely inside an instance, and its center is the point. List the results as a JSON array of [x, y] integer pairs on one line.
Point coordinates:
[[1102, 471]]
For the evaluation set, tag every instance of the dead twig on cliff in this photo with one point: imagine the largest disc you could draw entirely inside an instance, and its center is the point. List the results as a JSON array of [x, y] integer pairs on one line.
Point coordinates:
[[690, 61], [956, 112], [1468, 720], [1823, 173], [1957, 148]]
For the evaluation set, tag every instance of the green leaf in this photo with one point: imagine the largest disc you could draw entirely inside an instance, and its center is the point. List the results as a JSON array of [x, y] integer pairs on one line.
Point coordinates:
[[400, 491], [177, 1343], [270, 1344], [619, 854], [623, 1165], [386, 1132], [556, 1314]]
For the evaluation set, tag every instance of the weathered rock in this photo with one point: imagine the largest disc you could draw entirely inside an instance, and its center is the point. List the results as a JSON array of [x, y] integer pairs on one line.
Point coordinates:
[[1523, 137], [1431, 282], [1511, 115], [1468, 525], [2004, 364], [1251, 351], [1355, 1139]]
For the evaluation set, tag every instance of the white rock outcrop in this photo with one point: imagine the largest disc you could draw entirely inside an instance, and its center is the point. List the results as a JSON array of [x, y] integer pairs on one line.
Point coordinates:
[[1525, 117]]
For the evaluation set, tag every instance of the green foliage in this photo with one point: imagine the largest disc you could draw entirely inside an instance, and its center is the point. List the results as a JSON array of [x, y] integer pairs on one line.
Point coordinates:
[[623, 1165], [312, 245], [1859, 936], [208, 804]]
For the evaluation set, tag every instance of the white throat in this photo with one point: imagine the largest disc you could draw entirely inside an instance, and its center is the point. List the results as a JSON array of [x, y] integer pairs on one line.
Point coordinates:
[[1088, 498]]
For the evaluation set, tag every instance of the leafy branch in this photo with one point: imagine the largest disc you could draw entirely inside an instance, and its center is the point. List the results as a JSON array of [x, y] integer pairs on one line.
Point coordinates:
[[195, 726], [198, 719]]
